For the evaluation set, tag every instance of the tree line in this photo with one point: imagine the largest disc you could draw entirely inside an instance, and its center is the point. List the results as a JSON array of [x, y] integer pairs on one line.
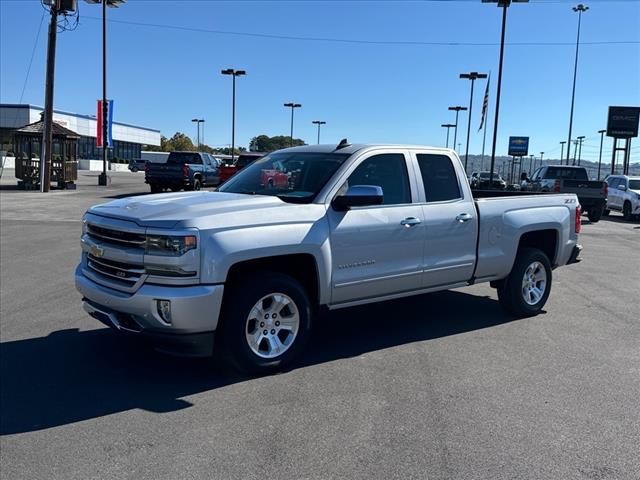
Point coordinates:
[[261, 143]]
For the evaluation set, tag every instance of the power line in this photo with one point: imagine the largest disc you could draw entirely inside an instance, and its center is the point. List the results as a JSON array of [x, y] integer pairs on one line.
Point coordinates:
[[359, 41], [33, 52]]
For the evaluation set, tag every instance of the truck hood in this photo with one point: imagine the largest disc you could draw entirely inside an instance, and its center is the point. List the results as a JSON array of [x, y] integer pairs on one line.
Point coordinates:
[[204, 210]]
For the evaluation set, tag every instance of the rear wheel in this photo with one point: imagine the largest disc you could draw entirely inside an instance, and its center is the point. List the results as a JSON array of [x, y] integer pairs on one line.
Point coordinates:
[[626, 211], [606, 212], [595, 213], [526, 290], [196, 184], [266, 320]]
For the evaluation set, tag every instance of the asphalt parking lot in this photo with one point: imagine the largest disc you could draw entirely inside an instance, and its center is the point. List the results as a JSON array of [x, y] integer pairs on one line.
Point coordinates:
[[442, 386]]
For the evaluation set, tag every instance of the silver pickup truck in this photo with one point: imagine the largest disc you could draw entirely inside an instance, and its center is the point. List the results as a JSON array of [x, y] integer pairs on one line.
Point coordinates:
[[244, 270]]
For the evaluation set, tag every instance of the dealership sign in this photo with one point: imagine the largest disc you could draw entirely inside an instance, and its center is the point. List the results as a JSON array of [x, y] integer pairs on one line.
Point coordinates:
[[518, 146], [623, 122]]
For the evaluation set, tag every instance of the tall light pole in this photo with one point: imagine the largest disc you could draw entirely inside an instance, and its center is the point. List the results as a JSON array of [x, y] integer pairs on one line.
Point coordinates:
[[580, 9], [447, 126], [457, 109], [102, 178], [580, 142], [318, 122], [198, 121], [293, 106], [473, 76], [601, 132], [541, 157], [531, 164], [234, 74], [505, 5], [562, 144]]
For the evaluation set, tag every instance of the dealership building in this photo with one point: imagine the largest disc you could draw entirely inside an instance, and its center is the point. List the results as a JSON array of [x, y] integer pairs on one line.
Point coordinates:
[[129, 140]]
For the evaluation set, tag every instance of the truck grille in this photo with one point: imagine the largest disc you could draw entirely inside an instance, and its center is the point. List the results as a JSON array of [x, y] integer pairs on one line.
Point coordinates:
[[116, 237], [127, 274]]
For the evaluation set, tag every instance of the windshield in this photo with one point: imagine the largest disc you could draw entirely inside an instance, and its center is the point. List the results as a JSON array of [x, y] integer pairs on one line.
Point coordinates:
[[294, 177], [634, 184], [183, 157]]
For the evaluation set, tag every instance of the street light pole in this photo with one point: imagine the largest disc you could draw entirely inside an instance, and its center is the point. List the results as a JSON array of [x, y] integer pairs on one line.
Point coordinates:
[[473, 76], [234, 74], [601, 132], [580, 9], [457, 109], [292, 106], [197, 122], [531, 164], [318, 122], [541, 157], [580, 141], [562, 152], [505, 5], [447, 126]]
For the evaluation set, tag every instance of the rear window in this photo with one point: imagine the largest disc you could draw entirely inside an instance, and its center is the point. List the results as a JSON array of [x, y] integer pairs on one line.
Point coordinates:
[[184, 157], [568, 173], [244, 160]]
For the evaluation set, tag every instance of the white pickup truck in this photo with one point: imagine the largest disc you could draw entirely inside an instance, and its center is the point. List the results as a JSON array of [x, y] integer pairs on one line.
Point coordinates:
[[244, 270]]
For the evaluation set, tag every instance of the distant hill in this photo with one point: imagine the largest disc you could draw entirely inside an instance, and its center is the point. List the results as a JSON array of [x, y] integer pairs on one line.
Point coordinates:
[[475, 164]]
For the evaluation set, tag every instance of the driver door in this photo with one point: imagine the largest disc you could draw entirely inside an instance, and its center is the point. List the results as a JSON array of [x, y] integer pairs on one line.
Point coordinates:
[[377, 250]]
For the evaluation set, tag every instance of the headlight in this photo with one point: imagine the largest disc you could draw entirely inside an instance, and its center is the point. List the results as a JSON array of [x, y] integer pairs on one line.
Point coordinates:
[[84, 226], [169, 245]]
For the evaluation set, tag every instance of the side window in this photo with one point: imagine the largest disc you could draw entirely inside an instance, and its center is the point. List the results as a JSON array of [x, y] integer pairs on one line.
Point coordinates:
[[613, 182], [439, 178], [536, 174], [387, 170]]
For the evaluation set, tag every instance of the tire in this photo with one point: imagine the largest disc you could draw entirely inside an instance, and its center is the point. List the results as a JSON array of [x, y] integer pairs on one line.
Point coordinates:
[[251, 296], [176, 189], [197, 185], [626, 211], [606, 212], [595, 213], [155, 188], [516, 294]]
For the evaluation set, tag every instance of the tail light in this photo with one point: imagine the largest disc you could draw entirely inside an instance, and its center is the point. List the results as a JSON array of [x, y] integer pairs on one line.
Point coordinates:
[[605, 189], [578, 219], [185, 170], [556, 186], [146, 166]]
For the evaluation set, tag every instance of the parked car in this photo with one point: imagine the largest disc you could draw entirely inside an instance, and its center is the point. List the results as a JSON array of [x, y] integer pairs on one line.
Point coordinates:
[[569, 179], [229, 170], [623, 195], [183, 170], [244, 270], [480, 181], [137, 165]]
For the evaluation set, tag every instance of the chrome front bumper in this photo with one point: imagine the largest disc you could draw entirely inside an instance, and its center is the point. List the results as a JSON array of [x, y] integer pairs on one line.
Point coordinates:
[[194, 309]]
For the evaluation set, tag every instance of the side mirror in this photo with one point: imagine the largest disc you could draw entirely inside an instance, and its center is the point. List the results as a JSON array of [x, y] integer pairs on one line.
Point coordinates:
[[622, 187], [359, 196]]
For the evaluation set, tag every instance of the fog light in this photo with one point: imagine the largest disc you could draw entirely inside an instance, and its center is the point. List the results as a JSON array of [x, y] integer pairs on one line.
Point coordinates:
[[164, 310]]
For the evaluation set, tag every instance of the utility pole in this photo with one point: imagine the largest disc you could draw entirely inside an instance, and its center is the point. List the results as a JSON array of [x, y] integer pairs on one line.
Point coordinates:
[[473, 76], [47, 131], [575, 151], [562, 144], [601, 132], [293, 106], [447, 126], [580, 9], [318, 122], [457, 109], [580, 142]]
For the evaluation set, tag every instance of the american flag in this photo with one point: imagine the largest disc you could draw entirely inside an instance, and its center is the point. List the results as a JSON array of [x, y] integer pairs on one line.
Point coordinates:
[[485, 104]]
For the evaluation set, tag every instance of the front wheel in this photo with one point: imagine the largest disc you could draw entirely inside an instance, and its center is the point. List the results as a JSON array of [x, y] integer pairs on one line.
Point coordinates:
[[626, 211], [266, 320], [526, 290], [196, 184]]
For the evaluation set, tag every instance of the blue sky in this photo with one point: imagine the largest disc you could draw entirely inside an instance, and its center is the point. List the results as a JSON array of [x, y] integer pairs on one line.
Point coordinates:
[[162, 78]]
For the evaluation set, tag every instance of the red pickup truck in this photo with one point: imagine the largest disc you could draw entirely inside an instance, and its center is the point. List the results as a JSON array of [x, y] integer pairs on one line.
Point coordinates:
[[229, 170]]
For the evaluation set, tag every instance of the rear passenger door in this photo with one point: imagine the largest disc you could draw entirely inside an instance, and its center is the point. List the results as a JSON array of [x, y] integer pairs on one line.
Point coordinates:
[[613, 194], [450, 221]]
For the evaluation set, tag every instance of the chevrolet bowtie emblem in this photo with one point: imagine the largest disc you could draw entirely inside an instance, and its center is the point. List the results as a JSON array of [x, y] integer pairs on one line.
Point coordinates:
[[96, 251]]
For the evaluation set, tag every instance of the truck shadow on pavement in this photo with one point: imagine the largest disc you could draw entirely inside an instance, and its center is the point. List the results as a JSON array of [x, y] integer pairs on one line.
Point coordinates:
[[71, 376]]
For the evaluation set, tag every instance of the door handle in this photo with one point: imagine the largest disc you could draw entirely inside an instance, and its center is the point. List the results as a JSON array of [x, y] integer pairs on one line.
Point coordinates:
[[464, 217], [410, 222]]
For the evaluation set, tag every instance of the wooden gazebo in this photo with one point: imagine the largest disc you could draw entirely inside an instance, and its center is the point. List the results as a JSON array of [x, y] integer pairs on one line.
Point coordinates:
[[27, 144]]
